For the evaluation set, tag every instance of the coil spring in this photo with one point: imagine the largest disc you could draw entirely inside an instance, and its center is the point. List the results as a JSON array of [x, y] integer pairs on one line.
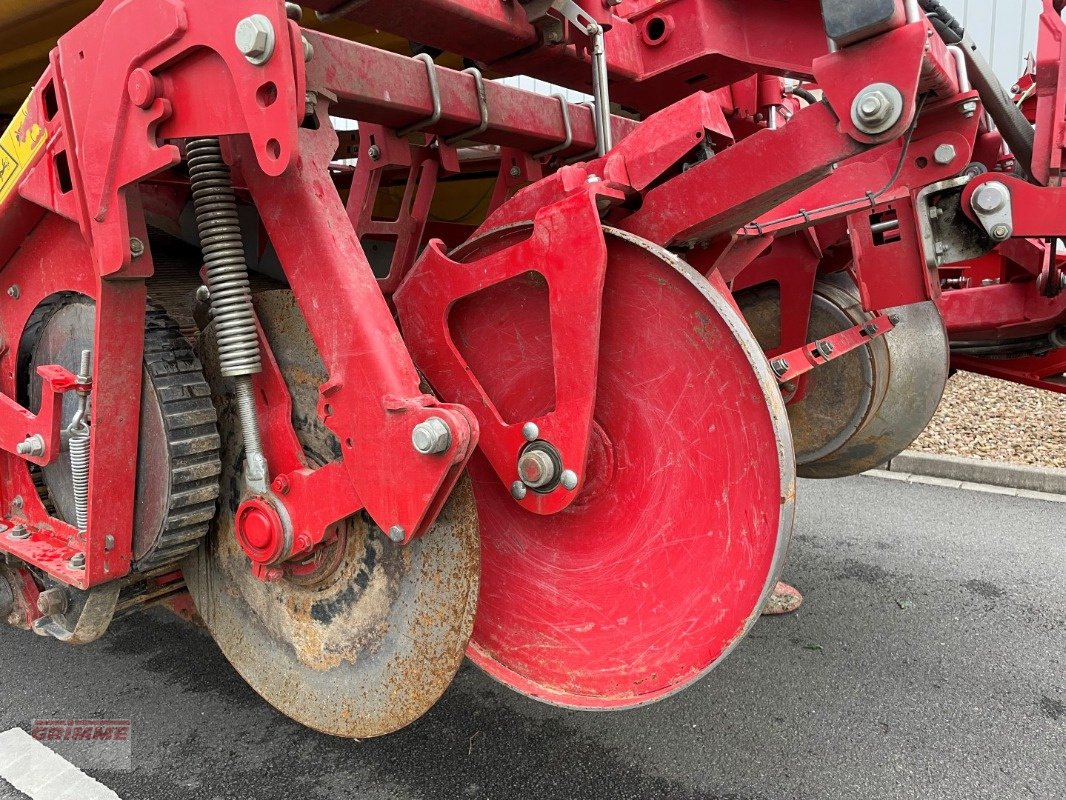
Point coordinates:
[[224, 262], [79, 471]]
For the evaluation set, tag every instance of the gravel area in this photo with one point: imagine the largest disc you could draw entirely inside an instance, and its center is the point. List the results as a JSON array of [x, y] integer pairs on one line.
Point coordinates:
[[994, 420]]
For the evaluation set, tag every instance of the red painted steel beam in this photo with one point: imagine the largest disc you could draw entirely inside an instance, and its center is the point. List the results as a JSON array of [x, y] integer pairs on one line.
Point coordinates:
[[729, 190], [392, 90]]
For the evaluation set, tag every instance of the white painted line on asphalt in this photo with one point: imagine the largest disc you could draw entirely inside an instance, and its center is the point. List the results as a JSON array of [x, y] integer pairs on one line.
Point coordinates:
[[946, 483], [40, 774]]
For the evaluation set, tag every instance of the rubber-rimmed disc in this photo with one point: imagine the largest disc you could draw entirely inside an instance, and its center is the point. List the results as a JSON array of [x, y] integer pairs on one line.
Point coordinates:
[[867, 406], [664, 560], [839, 395], [372, 643]]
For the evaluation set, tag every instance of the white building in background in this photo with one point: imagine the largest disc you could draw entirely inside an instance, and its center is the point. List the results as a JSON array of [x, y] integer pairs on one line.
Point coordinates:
[[1004, 30]]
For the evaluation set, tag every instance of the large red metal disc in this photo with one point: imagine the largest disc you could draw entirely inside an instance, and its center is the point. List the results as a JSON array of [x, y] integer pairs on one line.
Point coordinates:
[[664, 561]]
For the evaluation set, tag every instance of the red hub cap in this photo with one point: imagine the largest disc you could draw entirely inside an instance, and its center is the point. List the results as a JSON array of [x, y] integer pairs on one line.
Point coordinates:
[[261, 532]]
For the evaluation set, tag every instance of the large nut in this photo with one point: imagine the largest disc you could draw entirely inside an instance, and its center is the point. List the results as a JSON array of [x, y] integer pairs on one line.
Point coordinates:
[[536, 469], [877, 108], [255, 38], [432, 437]]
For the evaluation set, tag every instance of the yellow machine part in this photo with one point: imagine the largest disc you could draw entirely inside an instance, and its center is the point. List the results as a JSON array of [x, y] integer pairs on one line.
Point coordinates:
[[29, 30]]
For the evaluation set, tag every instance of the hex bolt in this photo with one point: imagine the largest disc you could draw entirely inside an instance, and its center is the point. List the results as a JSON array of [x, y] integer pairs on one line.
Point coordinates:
[[33, 446], [894, 318], [779, 366], [136, 248], [1000, 232], [14, 292], [518, 490], [825, 348], [568, 479], [374, 152], [77, 561], [945, 154], [432, 437], [536, 469], [19, 533], [530, 432], [968, 108], [516, 172], [990, 198], [255, 38], [877, 108], [870, 329], [397, 533], [873, 107], [53, 602]]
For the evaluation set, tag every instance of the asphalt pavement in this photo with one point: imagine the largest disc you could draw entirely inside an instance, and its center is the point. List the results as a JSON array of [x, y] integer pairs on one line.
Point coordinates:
[[927, 662]]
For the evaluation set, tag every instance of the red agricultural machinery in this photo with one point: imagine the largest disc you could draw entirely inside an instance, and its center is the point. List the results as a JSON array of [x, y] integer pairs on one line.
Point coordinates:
[[492, 373]]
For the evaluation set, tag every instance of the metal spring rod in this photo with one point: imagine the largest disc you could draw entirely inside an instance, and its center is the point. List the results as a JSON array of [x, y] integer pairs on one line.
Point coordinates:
[[227, 282], [80, 438], [79, 472]]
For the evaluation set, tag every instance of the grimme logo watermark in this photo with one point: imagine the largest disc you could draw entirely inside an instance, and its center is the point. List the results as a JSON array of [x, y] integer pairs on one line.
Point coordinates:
[[102, 744]]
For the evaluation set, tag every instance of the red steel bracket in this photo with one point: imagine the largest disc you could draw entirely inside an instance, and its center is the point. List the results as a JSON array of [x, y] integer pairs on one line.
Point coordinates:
[[791, 365], [566, 246], [372, 400], [17, 424]]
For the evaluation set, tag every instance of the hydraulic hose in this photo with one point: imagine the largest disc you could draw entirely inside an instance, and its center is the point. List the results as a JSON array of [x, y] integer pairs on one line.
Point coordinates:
[[1013, 126]]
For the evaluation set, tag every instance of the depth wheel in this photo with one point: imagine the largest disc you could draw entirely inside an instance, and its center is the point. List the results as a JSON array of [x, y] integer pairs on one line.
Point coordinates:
[[664, 560], [869, 405], [362, 637], [177, 455]]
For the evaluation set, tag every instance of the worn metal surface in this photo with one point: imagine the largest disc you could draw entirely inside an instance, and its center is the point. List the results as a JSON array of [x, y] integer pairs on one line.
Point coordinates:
[[662, 562], [369, 647]]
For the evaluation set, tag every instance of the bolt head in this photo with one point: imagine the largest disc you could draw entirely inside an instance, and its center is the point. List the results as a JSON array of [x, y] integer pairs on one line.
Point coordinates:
[[294, 12], [14, 292], [516, 172], [536, 469], [1001, 232], [19, 533], [77, 561], [530, 432], [593, 179], [877, 108], [568, 479], [33, 446], [432, 437], [990, 198], [826, 348], [255, 38], [518, 490], [945, 154], [52, 602], [873, 106], [779, 366], [136, 248], [397, 533], [374, 152]]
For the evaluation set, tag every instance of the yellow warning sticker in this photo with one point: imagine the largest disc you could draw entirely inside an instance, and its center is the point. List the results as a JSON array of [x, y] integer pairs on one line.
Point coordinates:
[[17, 149]]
